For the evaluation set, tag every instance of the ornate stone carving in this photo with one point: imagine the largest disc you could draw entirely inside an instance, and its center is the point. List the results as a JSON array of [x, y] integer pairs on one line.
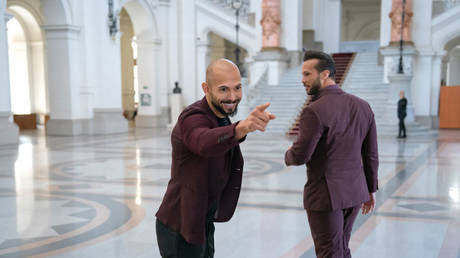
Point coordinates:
[[271, 23], [396, 20], [407, 64]]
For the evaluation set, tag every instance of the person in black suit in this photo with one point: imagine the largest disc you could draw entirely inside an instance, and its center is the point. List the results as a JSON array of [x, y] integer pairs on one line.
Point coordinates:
[[402, 112]]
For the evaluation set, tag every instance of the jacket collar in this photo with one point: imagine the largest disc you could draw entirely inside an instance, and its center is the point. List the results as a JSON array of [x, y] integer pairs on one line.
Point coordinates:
[[209, 112], [332, 89]]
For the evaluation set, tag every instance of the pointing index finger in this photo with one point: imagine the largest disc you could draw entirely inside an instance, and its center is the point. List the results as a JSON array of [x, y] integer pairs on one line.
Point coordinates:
[[262, 107]]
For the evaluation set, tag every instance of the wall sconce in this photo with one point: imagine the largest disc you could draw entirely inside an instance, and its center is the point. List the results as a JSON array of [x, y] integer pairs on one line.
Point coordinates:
[[112, 22]]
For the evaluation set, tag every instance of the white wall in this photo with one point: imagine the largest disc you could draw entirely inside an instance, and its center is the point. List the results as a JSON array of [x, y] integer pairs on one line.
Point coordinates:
[[327, 30], [291, 24], [421, 36], [453, 67], [187, 45], [385, 23], [5, 104], [360, 21], [308, 14]]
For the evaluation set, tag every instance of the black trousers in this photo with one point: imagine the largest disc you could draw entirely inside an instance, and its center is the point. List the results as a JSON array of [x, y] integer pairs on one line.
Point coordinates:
[[331, 231], [173, 245], [402, 128]]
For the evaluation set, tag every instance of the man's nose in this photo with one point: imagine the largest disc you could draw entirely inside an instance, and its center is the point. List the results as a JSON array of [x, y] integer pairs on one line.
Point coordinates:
[[233, 95]]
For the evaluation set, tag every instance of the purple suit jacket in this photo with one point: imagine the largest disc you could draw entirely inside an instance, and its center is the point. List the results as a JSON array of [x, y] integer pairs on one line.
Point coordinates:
[[200, 174], [338, 144]]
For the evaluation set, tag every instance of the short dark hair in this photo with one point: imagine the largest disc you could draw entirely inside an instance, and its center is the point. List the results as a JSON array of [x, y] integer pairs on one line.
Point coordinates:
[[325, 61]]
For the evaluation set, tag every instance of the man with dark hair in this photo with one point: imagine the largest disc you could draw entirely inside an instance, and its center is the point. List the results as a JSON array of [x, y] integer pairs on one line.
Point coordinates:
[[402, 112], [338, 144], [207, 165]]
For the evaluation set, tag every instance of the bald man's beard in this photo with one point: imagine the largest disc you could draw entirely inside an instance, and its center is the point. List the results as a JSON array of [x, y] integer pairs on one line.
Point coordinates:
[[218, 105]]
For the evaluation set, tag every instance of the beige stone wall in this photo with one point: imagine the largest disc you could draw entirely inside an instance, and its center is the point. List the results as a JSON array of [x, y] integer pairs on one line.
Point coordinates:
[[127, 61], [360, 20], [222, 48]]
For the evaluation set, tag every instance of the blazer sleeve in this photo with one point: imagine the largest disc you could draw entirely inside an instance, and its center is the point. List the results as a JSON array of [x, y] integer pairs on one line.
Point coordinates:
[[311, 130], [370, 157], [203, 140]]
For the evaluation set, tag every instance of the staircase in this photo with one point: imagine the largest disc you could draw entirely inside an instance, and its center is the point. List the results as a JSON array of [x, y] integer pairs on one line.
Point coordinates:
[[286, 100], [365, 80], [342, 65]]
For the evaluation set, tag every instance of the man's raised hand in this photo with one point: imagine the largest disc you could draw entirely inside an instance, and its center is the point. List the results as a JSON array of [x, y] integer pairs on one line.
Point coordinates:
[[257, 120]]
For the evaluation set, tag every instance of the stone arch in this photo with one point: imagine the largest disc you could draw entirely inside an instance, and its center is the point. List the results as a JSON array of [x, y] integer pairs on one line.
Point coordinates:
[[229, 36], [142, 15], [370, 31], [29, 6], [56, 12], [445, 28], [29, 16], [452, 57]]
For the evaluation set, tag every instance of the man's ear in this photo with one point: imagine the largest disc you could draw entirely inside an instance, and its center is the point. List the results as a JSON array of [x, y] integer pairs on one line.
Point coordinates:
[[325, 74], [205, 87]]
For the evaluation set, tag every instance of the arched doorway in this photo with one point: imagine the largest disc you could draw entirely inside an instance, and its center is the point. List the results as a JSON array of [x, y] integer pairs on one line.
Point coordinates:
[[143, 79], [29, 96], [451, 75], [223, 48], [360, 25], [128, 50]]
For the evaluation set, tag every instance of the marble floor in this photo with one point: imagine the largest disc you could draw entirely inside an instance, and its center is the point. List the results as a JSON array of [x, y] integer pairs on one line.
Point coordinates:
[[96, 197]]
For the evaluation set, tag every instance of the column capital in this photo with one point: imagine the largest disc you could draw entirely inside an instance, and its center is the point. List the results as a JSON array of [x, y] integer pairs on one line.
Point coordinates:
[[7, 16], [156, 43], [61, 31], [164, 3]]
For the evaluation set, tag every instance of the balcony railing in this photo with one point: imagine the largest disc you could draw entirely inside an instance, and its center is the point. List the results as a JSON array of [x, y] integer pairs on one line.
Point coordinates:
[[441, 6], [227, 6]]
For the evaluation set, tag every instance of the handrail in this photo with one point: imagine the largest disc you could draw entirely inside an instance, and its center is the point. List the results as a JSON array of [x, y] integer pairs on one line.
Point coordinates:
[[254, 87], [442, 6]]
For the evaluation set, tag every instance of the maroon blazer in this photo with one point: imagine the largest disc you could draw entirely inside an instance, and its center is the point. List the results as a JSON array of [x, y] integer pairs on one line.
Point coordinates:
[[338, 144], [204, 170]]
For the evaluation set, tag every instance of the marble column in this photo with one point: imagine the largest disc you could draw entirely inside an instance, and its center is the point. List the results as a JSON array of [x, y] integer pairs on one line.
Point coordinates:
[[396, 20], [272, 55], [127, 66], [436, 87], [149, 113], [8, 130], [64, 77], [165, 85], [187, 52], [399, 81], [203, 59]]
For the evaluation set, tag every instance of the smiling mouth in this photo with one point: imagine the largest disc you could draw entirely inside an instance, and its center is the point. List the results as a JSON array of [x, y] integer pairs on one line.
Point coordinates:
[[229, 105]]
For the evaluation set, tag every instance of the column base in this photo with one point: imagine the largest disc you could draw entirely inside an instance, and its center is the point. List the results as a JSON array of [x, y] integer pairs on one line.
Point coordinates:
[[277, 61], [68, 127], [431, 122], [8, 130], [105, 121], [152, 121], [109, 121]]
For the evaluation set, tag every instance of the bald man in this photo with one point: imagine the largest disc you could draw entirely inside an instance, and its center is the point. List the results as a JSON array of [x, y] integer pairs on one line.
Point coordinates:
[[207, 165]]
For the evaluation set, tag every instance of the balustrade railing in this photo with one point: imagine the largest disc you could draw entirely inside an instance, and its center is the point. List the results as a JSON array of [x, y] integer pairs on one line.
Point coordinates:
[[441, 6], [227, 5]]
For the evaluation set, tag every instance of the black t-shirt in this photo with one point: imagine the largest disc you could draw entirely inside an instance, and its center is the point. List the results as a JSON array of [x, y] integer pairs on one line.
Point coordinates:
[[223, 121], [215, 203]]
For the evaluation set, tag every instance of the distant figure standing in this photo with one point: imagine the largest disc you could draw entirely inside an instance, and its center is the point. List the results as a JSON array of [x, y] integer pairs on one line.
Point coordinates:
[[402, 113]]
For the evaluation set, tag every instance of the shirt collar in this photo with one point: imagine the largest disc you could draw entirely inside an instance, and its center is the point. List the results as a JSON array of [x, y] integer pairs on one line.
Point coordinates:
[[327, 90]]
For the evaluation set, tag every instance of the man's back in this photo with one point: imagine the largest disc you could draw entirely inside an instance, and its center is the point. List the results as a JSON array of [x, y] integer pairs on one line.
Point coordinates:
[[341, 150]]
